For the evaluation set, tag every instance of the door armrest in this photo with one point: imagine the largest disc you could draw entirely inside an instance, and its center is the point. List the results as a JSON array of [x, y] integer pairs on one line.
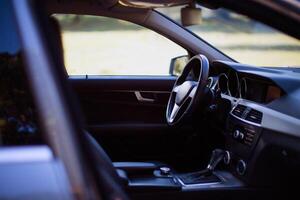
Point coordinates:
[[137, 166]]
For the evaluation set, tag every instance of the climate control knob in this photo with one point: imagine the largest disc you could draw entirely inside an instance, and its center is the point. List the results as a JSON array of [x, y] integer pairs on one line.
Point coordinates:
[[241, 136], [236, 134], [227, 158], [241, 167]]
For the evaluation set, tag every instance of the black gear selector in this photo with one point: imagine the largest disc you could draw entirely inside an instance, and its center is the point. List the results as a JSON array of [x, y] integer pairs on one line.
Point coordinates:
[[206, 175], [216, 156]]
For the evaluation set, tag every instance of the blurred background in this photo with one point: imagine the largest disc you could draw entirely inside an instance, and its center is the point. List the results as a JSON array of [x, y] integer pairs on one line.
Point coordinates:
[[105, 46]]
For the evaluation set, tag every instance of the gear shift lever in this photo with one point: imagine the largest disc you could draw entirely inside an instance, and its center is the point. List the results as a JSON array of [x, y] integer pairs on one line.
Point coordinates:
[[216, 156], [206, 175]]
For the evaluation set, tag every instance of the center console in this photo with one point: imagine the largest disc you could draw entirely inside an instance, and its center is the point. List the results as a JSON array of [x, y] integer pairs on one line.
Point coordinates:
[[242, 134], [151, 177]]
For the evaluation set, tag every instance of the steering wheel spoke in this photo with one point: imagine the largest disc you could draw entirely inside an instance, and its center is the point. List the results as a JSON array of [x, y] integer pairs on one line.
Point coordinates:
[[174, 112], [176, 88], [193, 92]]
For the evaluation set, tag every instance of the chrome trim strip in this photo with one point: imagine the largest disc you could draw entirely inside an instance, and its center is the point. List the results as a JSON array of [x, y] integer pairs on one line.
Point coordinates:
[[196, 185], [144, 91], [211, 83], [140, 98], [243, 120], [218, 84], [227, 181], [201, 184]]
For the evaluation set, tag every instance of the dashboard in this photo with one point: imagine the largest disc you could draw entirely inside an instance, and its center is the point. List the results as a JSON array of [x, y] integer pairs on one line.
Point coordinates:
[[262, 121], [241, 85]]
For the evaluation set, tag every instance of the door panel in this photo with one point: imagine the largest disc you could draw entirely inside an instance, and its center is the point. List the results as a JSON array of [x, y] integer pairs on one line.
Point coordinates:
[[129, 127], [112, 100]]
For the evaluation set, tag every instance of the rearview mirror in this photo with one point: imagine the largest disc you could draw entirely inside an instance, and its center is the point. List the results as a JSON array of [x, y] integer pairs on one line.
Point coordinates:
[[177, 64], [191, 15]]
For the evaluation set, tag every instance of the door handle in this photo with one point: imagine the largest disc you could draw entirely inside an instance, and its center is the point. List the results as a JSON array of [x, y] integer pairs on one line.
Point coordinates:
[[140, 98]]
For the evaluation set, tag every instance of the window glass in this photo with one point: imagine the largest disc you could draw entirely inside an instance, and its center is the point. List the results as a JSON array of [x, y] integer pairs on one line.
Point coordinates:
[[18, 124], [243, 39], [96, 45]]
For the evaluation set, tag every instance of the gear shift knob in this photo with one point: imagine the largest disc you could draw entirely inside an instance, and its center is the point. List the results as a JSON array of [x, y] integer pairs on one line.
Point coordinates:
[[206, 175], [216, 156]]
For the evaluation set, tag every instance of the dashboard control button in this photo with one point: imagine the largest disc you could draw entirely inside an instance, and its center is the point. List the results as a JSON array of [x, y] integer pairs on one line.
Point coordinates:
[[241, 136], [236, 134], [227, 158], [241, 167]]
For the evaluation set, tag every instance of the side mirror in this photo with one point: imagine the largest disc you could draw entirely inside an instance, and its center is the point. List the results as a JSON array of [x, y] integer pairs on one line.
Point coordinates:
[[191, 15], [177, 64]]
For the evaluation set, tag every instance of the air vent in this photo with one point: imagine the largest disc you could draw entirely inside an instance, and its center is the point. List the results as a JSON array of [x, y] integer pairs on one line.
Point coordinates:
[[254, 116], [239, 110]]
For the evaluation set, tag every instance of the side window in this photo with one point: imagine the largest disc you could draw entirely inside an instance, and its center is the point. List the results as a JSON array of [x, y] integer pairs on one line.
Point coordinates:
[[96, 45], [18, 118]]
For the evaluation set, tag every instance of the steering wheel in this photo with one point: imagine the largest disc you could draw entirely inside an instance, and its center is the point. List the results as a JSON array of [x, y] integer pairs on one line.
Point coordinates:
[[188, 91]]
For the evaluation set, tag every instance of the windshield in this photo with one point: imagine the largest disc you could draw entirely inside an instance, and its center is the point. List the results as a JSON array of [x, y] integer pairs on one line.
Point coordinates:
[[243, 39]]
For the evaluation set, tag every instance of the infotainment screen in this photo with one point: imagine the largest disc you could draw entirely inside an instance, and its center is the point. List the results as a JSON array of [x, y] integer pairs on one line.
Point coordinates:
[[261, 91], [273, 93], [255, 91]]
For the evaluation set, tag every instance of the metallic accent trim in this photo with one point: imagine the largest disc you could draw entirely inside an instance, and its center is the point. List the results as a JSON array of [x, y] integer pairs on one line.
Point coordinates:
[[227, 181], [211, 83], [244, 165], [209, 167], [227, 158], [243, 120], [218, 84], [140, 98]]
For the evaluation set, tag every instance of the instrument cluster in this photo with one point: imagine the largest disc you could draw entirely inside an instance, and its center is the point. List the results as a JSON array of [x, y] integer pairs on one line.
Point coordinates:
[[236, 85]]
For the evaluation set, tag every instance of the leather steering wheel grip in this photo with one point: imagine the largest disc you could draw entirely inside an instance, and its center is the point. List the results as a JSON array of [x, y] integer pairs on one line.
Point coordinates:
[[188, 90]]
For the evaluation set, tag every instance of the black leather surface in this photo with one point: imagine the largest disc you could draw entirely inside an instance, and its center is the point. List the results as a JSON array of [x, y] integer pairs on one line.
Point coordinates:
[[136, 166], [105, 168]]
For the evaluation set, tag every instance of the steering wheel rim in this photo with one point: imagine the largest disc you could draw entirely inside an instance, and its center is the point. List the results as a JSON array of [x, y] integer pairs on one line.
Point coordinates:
[[186, 95]]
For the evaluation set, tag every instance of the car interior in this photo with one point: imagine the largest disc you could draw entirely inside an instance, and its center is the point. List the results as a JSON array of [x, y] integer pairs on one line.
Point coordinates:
[[219, 130]]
